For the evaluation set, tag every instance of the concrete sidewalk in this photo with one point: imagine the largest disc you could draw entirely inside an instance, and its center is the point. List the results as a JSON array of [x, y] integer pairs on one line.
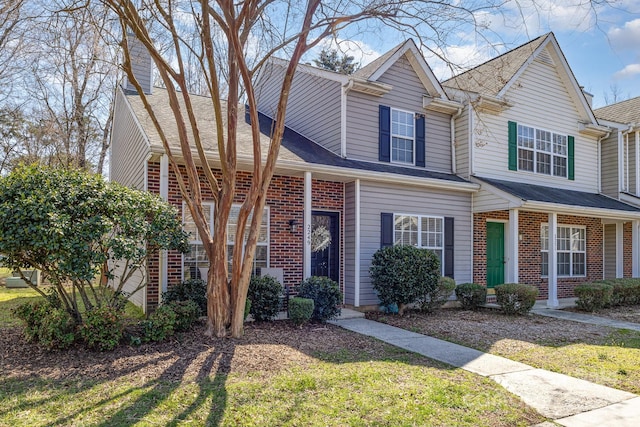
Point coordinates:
[[586, 318], [566, 400]]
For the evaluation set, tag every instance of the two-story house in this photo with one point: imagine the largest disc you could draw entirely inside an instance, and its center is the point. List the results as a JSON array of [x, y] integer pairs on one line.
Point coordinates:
[[366, 161], [529, 137]]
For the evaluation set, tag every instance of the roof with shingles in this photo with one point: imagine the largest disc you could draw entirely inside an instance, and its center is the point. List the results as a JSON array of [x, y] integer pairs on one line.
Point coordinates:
[[368, 70], [490, 77], [561, 196], [621, 112], [294, 147]]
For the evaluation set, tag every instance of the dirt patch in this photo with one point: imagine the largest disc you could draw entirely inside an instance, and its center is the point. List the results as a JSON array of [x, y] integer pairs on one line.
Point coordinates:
[[625, 314]]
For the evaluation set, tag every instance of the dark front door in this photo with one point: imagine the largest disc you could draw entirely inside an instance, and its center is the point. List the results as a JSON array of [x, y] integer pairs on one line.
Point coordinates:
[[495, 254], [325, 243]]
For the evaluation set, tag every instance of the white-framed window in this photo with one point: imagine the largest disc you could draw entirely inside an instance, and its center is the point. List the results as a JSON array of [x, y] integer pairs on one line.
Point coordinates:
[[195, 261], [571, 248], [422, 231], [402, 136], [541, 151]]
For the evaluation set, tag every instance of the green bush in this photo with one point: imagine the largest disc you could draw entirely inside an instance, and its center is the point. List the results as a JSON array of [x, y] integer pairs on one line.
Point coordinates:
[[192, 289], [160, 325], [326, 297], [264, 293], [103, 328], [187, 313], [516, 298], [300, 310], [49, 326], [593, 296], [403, 274], [438, 296], [471, 295], [625, 291]]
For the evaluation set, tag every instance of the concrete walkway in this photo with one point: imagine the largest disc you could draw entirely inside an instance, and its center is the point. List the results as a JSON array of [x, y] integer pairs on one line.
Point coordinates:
[[566, 400], [586, 318]]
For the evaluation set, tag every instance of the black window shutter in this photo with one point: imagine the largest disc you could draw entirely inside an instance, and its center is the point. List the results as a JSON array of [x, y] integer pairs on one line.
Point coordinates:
[[448, 247], [384, 133], [513, 146], [420, 148], [386, 229]]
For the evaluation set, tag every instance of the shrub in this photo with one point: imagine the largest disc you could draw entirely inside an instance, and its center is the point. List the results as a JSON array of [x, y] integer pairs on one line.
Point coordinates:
[[438, 296], [625, 291], [103, 328], [516, 298], [300, 310], [187, 313], [403, 274], [51, 327], [192, 289], [593, 296], [471, 295], [264, 293], [326, 297], [160, 325]]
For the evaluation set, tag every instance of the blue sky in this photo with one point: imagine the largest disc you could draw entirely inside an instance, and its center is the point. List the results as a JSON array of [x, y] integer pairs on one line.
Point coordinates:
[[601, 42]]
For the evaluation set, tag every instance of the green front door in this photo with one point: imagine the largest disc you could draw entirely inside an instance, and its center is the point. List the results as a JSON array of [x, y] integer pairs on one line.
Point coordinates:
[[495, 254]]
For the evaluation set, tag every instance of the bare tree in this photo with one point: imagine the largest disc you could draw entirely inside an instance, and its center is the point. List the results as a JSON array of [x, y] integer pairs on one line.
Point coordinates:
[[11, 43]]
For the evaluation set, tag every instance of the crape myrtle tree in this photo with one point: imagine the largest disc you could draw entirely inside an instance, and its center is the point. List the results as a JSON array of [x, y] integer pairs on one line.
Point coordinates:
[[230, 41], [77, 228]]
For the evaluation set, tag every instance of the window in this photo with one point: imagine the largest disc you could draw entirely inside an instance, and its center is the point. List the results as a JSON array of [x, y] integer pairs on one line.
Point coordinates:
[[542, 151], [195, 261], [402, 136], [421, 231], [571, 248]]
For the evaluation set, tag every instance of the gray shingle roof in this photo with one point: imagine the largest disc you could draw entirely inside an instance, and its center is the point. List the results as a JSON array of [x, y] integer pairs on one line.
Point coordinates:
[[621, 112], [489, 78], [539, 193]]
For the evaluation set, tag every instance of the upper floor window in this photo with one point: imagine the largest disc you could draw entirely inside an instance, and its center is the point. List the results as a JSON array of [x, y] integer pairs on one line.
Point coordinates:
[[402, 136], [542, 151]]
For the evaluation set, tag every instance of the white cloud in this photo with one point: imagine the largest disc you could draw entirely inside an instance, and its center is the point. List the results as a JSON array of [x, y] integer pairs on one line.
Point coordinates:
[[627, 72], [452, 60], [627, 36]]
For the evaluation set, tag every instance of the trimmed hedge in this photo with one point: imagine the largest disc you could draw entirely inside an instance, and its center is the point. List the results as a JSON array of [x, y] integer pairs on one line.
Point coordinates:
[[471, 295], [516, 298], [326, 297], [593, 296], [191, 289], [264, 293], [300, 310], [438, 296]]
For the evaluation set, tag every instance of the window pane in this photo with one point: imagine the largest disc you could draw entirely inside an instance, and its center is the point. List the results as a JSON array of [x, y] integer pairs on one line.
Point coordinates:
[[193, 261], [544, 237], [525, 160], [560, 166], [564, 264], [560, 144], [525, 137], [543, 141], [401, 150], [432, 235], [564, 239], [579, 264], [544, 267], [578, 241], [190, 226], [543, 164]]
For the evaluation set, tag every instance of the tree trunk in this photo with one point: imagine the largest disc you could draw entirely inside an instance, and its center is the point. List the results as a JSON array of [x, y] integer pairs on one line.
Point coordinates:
[[218, 298]]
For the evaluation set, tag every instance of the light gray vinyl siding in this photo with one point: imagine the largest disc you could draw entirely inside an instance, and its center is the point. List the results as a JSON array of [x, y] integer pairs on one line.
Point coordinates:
[[376, 198], [129, 147], [631, 161], [609, 251], [609, 165], [462, 144], [349, 242], [484, 201], [139, 298], [406, 94], [313, 108]]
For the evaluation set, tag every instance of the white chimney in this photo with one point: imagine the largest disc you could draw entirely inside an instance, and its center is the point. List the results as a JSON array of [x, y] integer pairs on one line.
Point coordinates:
[[141, 65], [587, 95]]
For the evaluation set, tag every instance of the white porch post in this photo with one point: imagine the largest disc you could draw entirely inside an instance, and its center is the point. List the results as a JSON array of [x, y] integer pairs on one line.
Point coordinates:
[[164, 194], [307, 226], [356, 264], [552, 301], [514, 231], [635, 249], [619, 249]]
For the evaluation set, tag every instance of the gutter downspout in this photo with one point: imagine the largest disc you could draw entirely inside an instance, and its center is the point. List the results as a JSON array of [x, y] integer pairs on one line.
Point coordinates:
[[164, 194], [453, 140], [599, 161], [343, 118]]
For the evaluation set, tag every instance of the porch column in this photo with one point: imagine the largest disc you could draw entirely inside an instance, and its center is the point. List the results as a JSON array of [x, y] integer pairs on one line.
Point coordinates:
[[619, 249], [552, 301], [307, 227], [164, 194], [635, 249], [356, 263], [514, 232]]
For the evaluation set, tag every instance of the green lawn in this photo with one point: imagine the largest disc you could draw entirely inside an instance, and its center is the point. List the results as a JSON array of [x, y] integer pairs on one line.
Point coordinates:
[[10, 299]]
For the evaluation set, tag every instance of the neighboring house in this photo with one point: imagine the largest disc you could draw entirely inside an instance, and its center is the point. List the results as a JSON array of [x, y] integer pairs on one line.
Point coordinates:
[[529, 137], [366, 161]]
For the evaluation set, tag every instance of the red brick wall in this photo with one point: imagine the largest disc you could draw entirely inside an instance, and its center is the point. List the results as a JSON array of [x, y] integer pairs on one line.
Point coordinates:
[[529, 263], [285, 200]]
